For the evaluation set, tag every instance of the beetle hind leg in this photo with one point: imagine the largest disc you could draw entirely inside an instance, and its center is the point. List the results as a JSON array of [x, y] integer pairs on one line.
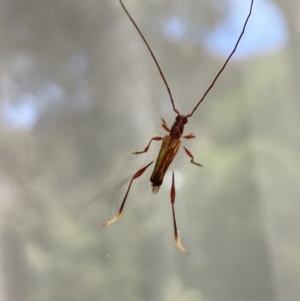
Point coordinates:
[[119, 214], [176, 232]]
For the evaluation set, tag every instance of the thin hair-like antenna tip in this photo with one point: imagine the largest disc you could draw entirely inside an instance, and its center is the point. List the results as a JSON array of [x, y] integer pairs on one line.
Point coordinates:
[[227, 60]]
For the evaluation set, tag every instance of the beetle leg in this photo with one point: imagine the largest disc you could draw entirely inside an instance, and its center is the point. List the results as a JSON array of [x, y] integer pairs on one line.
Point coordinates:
[[135, 176], [190, 136], [192, 157], [147, 147], [165, 126], [176, 232]]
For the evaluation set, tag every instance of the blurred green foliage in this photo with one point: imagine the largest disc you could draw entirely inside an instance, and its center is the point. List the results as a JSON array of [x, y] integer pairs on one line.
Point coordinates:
[[62, 179]]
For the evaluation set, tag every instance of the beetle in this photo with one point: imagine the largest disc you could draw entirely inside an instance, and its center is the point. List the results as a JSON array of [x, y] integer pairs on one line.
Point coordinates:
[[171, 142]]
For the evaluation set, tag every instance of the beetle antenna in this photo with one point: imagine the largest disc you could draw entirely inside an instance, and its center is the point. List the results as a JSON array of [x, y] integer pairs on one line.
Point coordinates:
[[153, 56], [228, 59]]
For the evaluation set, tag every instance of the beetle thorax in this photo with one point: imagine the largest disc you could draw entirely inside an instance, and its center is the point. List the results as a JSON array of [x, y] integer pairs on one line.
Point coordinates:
[[178, 126]]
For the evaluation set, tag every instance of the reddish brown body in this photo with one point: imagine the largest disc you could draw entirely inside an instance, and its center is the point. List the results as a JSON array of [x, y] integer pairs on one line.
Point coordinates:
[[168, 151]]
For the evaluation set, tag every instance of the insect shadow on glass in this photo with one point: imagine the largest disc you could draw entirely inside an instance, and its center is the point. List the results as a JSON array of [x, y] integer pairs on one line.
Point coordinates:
[[171, 142]]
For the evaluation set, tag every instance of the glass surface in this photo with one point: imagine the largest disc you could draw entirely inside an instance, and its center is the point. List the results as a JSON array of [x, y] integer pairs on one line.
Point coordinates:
[[79, 93]]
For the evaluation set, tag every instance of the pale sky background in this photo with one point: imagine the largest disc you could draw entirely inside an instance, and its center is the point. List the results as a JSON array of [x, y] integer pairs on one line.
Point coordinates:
[[266, 31]]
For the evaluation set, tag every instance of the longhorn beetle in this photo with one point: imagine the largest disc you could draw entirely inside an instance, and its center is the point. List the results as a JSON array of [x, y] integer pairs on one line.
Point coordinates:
[[171, 142]]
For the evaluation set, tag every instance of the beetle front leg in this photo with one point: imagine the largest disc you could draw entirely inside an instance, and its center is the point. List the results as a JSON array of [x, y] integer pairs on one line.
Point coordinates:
[[164, 125]]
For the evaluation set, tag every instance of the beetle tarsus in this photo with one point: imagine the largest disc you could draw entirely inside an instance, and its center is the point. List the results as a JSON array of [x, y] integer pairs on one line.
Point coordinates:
[[179, 245], [112, 220]]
